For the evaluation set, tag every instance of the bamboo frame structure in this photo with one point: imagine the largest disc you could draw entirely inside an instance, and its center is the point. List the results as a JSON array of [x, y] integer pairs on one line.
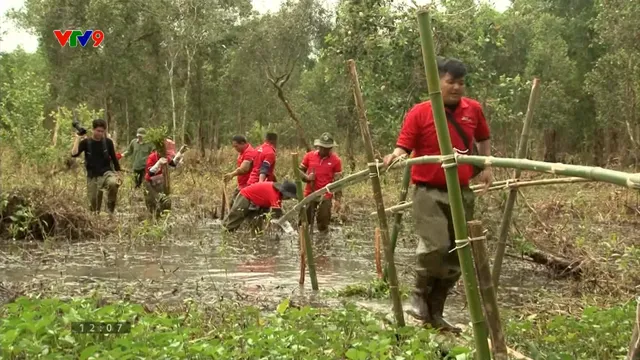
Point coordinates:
[[505, 224], [455, 194], [489, 302], [304, 226], [499, 185], [377, 193]]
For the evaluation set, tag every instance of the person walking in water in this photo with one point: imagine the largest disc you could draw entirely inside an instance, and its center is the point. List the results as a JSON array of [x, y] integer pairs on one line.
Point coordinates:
[[103, 168], [319, 168], [244, 163], [264, 164], [156, 198], [438, 269], [139, 149]]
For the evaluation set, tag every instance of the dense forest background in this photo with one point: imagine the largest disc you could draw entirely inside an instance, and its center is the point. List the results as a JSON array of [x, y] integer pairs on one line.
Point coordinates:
[[208, 69]]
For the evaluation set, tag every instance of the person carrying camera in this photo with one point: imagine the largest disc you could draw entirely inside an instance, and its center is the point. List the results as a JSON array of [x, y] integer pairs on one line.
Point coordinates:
[[103, 168]]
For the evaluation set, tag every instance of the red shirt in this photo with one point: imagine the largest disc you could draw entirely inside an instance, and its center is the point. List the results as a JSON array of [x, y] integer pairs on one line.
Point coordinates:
[[324, 168], [263, 194], [248, 154], [265, 152], [152, 160], [418, 134]]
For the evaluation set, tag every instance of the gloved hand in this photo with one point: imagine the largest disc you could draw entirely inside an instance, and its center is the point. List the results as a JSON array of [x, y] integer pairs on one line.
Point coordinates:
[[162, 161]]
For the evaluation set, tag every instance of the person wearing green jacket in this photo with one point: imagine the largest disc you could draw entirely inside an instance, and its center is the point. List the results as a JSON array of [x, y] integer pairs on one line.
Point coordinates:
[[140, 151]]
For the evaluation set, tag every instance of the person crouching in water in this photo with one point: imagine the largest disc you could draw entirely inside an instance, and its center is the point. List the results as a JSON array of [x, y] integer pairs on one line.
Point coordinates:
[[258, 199], [156, 197]]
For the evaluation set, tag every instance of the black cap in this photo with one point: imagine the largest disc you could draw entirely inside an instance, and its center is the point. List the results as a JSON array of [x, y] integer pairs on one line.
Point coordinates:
[[288, 189]]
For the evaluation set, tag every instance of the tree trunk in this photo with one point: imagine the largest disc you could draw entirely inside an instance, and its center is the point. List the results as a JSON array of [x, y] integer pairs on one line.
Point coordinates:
[[184, 96], [126, 116], [550, 151], [56, 127], [302, 139], [173, 97]]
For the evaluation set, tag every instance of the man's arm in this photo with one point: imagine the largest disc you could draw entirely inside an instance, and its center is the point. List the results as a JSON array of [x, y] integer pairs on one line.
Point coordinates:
[[407, 138], [79, 145], [484, 147], [129, 150], [112, 154], [264, 170]]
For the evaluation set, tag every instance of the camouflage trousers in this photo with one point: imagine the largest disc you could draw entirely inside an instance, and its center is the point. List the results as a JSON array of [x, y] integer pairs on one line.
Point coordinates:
[[155, 198], [434, 226], [241, 210], [96, 185], [320, 212]]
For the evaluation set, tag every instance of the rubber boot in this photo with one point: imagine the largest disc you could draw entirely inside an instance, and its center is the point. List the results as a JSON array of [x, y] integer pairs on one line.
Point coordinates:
[[420, 306], [436, 300], [111, 207]]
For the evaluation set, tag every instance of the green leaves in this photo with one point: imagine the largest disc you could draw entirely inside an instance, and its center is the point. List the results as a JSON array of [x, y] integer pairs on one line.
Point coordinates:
[[30, 328]]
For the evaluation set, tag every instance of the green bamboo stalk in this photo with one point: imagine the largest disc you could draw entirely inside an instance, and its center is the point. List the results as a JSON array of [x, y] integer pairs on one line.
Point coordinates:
[[513, 194], [332, 187], [499, 185], [397, 217], [455, 194], [377, 194], [304, 223]]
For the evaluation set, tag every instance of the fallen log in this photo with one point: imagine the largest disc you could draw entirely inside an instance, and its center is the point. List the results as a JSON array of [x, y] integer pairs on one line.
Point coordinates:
[[560, 266]]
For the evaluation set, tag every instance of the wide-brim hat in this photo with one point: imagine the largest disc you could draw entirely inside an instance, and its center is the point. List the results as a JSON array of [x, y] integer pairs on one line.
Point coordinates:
[[287, 189], [325, 141], [141, 132]]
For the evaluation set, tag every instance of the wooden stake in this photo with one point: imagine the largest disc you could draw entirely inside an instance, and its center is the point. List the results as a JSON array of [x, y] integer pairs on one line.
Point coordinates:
[[225, 203], [513, 194], [304, 224], [377, 194], [489, 302], [303, 263], [634, 345], [377, 254]]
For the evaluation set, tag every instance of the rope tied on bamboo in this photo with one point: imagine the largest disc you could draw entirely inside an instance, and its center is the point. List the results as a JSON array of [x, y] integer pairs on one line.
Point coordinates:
[[464, 242]]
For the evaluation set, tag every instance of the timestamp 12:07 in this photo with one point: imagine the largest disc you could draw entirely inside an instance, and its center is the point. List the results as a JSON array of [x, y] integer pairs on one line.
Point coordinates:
[[92, 327]]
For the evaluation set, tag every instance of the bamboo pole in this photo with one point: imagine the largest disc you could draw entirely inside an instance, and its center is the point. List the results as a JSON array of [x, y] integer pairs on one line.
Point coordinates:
[[303, 263], [489, 302], [332, 187], [304, 225], [397, 217], [587, 172], [165, 175], [453, 186], [377, 194], [513, 194], [376, 249], [634, 345], [500, 185]]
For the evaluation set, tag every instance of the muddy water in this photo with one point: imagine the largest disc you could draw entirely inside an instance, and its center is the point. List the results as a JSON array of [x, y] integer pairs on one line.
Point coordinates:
[[208, 267]]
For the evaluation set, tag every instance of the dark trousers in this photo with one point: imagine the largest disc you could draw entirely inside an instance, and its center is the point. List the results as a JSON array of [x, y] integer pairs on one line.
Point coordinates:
[[319, 212], [138, 176]]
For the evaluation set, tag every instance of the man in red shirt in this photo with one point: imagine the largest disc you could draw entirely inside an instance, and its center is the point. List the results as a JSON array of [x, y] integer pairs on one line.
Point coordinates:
[[257, 199], [264, 163], [156, 199], [320, 168], [438, 270], [246, 155]]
